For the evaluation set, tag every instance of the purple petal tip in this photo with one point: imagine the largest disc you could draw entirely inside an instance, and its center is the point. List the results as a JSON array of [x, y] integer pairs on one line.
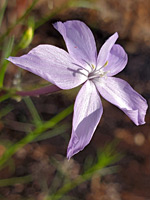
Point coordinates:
[[116, 35]]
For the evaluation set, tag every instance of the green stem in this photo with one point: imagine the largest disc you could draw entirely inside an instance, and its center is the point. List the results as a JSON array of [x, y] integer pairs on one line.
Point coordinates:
[[2, 11], [15, 180], [2, 73], [80, 179], [8, 45], [36, 118], [5, 96], [34, 134], [18, 21]]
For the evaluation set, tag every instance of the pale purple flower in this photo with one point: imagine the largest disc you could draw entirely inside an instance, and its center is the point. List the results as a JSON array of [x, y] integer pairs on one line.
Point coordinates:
[[82, 65]]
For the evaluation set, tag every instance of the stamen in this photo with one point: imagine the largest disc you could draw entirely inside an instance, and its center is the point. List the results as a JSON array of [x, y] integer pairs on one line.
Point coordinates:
[[105, 64], [99, 72], [103, 74], [93, 66], [100, 69]]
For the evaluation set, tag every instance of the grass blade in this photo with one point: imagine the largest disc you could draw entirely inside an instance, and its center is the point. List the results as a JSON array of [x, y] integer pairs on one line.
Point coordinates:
[[15, 180], [8, 45], [5, 111], [2, 11], [52, 133], [34, 134], [19, 20], [36, 118]]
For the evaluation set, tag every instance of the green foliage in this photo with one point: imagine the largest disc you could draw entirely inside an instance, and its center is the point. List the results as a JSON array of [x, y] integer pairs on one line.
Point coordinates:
[[15, 180], [105, 158], [2, 11], [7, 50], [33, 134], [19, 20], [58, 130], [27, 36], [10, 45], [36, 118], [6, 110]]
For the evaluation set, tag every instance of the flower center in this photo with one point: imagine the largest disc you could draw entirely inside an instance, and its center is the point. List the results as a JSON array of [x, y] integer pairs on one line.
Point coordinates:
[[98, 73]]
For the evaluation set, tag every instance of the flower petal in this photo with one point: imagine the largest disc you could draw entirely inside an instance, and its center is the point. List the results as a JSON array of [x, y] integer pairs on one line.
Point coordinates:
[[117, 60], [79, 40], [53, 64], [87, 113], [105, 50], [121, 94]]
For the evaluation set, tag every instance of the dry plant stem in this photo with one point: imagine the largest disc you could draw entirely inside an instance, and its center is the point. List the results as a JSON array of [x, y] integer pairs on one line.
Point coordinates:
[[44, 90]]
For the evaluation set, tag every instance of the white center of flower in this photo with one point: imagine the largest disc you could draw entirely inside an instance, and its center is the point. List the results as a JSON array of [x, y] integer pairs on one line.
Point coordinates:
[[98, 73]]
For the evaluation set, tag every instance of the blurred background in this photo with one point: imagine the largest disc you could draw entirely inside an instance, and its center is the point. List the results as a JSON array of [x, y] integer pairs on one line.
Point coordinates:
[[35, 131]]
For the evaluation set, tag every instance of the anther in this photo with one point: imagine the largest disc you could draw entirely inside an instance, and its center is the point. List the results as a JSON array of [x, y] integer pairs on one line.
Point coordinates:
[[105, 64], [93, 66]]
